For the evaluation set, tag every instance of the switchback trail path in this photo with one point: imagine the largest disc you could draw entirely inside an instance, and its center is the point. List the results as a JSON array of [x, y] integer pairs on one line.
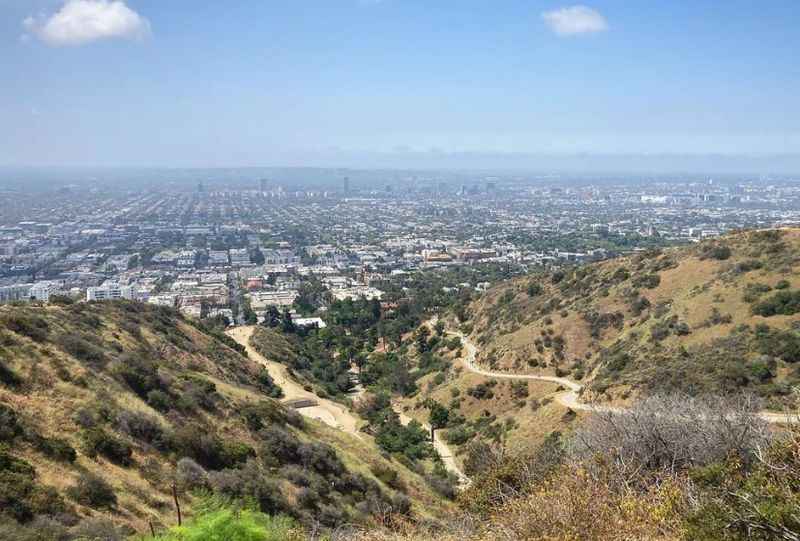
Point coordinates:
[[571, 397], [442, 448], [329, 412]]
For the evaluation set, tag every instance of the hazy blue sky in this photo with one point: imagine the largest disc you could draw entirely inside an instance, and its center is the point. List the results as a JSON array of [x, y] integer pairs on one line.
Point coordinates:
[[173, 82]]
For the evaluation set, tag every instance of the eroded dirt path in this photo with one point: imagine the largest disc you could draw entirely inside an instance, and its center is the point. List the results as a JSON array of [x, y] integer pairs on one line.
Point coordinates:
[[448, 459], [329, 412], [571, 397]]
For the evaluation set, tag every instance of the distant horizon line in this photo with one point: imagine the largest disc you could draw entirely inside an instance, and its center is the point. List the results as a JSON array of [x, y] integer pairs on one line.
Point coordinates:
[[784, 163]]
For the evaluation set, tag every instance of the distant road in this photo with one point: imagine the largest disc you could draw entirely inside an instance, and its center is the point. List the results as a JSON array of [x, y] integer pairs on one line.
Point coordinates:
[[571, 398]]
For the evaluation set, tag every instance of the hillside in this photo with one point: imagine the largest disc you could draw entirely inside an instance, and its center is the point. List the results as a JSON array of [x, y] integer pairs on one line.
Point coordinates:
[[718, 317], [104, 407]]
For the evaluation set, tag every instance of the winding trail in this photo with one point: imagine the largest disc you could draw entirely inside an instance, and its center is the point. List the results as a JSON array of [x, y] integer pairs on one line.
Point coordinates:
[[448, 459], [571, 397], [329, 412]]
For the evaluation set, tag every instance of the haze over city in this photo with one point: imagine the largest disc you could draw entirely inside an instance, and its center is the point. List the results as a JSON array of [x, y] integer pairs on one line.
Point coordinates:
[[400, 83], [399, 270]]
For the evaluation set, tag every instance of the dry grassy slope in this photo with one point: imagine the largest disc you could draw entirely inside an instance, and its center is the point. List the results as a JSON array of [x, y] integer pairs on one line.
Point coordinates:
[[47, 386], [534, 415], [698, 289]]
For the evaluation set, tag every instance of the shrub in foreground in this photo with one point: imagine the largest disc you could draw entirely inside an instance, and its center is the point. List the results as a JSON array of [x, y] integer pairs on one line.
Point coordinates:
[[232, 524]]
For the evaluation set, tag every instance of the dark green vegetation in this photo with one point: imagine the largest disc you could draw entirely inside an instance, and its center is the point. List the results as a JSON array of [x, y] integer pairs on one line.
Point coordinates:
[[745, 359], [104, 407], [368, 343], [785, 303]]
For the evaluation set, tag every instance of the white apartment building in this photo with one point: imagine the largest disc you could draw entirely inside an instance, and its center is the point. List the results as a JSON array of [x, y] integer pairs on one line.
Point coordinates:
[[111, 291], [355, 293], [16, 292], [187, 258], [240, 257], [217, 258], [163, 300], [280, 257], [41, 291], [260, 300]]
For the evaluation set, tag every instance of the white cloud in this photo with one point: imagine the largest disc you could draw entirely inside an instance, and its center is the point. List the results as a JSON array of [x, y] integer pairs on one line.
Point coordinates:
[[84, 21], [575, 20]]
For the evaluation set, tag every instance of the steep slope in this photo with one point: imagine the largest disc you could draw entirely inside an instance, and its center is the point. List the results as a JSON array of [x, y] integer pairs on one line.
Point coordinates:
[[104, 407], [721, 317], [327, 411], [268, 346]]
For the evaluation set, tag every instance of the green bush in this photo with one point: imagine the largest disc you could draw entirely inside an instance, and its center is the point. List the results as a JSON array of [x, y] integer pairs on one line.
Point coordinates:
[[208, 449], [34, 327], [482, 391], [519, 389], [8, 376], [262, 414], [99, 442], [268, 385], [534, 289], [557, 276], [743, 503], [21, 497], [459, 435], [139, 373], [718, 252], [620, 275], [388, 476], [782, 344], [410, 441], [648, 281], [226, 523], [55, 448], [10, 426], [159, 400], [143, 427], [61, 300], [754, 290], [93, 491], [748, 265], [83, 350], [784, 303], [639, 305]]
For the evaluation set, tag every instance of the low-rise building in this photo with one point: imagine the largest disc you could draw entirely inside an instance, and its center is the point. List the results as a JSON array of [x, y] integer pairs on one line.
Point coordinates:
[[355, 293], [42, 291], [280, 257], [218, 258], [112, 291], [16, 292], [240, 257]]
